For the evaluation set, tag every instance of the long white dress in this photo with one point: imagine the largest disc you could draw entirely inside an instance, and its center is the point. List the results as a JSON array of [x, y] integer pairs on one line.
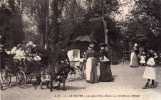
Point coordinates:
[[150, 72], [133, 59], [142, 59]]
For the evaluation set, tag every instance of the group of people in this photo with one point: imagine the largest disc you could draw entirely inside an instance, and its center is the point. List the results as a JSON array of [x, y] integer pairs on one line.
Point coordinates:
[[148, 58], [25, 52], [21, 55], [97, 67]]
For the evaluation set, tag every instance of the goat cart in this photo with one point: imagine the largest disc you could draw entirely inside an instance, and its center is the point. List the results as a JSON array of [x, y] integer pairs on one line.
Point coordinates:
[[20, 72], [33, 70]]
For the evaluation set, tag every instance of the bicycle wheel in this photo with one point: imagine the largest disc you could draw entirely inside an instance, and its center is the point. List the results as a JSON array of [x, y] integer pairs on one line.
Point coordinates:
[[21, 77], [1, 85], [5, 79]]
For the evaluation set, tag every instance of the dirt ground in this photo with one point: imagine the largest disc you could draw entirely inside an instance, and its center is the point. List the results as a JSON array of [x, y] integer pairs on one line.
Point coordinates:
[[127, 85]]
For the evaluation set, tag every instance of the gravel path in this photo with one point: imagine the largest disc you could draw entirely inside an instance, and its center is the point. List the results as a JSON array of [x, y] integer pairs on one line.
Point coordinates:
[[126, 86]]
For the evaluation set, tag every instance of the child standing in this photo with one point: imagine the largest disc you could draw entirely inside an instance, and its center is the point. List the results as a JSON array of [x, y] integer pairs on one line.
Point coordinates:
[[143, 59], [150, 73]]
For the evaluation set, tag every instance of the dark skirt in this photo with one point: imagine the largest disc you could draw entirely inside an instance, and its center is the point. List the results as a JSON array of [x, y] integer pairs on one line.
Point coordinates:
[[105, 72]]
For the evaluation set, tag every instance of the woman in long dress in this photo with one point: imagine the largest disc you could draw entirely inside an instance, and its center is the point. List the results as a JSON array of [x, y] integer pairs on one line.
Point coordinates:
[[105, 69], [133, 57], [91, 65]]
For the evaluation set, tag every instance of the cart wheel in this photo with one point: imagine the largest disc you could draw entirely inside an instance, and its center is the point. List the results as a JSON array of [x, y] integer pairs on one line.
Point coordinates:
[[1, 86], [29, 79], [21, 78], [5, 79]]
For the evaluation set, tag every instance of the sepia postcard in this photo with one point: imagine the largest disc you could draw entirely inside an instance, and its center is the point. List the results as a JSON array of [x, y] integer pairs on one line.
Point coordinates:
[[80, 49]]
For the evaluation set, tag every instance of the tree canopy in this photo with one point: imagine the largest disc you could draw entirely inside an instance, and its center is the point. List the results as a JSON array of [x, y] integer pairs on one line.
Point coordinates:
[[52, 21], [11, 28], [146, 24]]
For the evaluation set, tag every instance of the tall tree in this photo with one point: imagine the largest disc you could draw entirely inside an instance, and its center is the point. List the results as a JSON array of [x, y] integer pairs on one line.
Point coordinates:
[[38, 12], [146, 22]]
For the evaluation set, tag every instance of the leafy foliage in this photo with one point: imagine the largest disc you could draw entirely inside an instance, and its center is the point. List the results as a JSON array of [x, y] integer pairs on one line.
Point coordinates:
[[11, 27], [144, 25]]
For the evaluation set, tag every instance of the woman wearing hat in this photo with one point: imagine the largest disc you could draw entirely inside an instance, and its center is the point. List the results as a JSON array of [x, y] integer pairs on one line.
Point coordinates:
[[91, 65], [133, 57], [105, 70]]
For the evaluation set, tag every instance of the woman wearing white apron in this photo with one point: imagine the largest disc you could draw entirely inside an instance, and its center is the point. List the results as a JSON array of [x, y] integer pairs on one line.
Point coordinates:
[[91, 65], [150, 73]]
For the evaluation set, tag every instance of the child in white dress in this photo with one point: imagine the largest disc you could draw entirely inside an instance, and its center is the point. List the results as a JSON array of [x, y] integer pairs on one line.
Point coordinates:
[[150, 73], [143, 59]]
